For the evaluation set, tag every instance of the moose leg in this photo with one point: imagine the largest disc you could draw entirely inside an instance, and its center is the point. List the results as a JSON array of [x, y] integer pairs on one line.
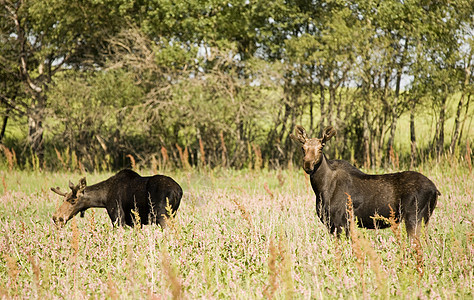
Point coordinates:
[[413, 228], [162, 217], [162, 222], [117, 216]]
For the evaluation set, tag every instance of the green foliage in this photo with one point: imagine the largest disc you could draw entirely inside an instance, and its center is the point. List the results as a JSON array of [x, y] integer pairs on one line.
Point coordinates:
[[106, 79], [89, 108]]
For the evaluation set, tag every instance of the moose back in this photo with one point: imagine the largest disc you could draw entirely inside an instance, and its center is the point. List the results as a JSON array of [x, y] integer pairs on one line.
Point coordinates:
[[128, 198], [410, 195]]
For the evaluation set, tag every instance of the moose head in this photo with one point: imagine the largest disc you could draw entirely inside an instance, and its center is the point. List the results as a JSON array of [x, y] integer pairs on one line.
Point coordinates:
[[73, 203], [312, 148]]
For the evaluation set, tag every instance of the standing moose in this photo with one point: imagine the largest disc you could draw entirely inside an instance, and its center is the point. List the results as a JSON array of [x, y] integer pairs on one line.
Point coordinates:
[[411, 195], [125, 195]]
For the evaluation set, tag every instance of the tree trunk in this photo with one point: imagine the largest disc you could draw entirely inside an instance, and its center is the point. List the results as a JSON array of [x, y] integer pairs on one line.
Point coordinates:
[[332, 98], [311, 123], [464, 120], [393, 125], [366, 136], [35, 132], [457, 124], [440, 127], [452, 147], [321, 105], [413, 158], [4, 125]]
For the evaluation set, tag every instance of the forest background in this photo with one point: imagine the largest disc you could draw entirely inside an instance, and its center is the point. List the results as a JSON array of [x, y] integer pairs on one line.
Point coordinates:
[[103, 84]]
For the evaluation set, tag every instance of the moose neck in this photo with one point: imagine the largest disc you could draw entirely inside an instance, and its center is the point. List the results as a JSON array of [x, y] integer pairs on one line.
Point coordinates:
[[96, 194], [320, 174]]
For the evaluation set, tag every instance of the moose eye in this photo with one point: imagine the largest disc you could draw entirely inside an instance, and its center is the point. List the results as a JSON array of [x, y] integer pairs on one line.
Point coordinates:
[[72, 200]]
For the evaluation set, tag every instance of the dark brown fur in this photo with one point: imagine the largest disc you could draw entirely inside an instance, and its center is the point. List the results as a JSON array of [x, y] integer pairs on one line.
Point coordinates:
[[120, 194], [411, 195]]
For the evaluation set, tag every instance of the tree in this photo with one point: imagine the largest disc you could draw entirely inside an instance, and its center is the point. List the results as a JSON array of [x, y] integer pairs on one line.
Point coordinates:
[[40, 39], [440, 68]]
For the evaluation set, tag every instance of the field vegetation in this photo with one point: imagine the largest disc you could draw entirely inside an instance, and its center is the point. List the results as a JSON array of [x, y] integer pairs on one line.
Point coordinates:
[[238, 234]]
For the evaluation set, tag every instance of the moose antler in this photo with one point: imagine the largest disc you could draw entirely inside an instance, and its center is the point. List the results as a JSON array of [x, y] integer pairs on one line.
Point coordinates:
[[57, 191]]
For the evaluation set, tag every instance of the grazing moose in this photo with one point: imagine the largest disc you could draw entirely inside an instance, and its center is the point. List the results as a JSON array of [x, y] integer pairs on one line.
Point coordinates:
[[125, 195], [410, 195]]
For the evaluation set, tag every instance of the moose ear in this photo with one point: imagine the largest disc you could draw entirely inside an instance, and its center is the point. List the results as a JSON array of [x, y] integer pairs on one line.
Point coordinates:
[[328, 133], [300, 135], [71, 185], [82, 183]]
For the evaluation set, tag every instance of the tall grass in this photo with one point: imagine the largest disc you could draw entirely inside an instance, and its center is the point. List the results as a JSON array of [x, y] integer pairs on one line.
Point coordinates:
[[237, 234]]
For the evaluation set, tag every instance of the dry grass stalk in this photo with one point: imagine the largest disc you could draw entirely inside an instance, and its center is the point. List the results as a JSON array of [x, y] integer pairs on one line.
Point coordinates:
[[241, 189], [281, 178], [285, 268], [169, 217], [112, 290], [356, 246], [136, 218], [272, 286], [164, 154], [258, 157], [203, 154], [34, 162], [243, 211], [180, 151], [374, 259], [92, 222], [376, 265], [172, 275], [75, 247], [4, 183], [63, 163], [75, 237], [279, 267], [183, 156], [267, 189], [13, 271], [81, 167], [394, 159], [186, 158], [154, 165], [14, 160], [132, 161], [3, 293], [36, 271], [394, 225], [171, 224], [11, 157], [23, 227], [419, 257]]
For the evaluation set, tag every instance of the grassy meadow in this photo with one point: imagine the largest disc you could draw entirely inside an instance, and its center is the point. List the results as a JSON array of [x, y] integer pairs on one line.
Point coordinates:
[[237, 234]]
